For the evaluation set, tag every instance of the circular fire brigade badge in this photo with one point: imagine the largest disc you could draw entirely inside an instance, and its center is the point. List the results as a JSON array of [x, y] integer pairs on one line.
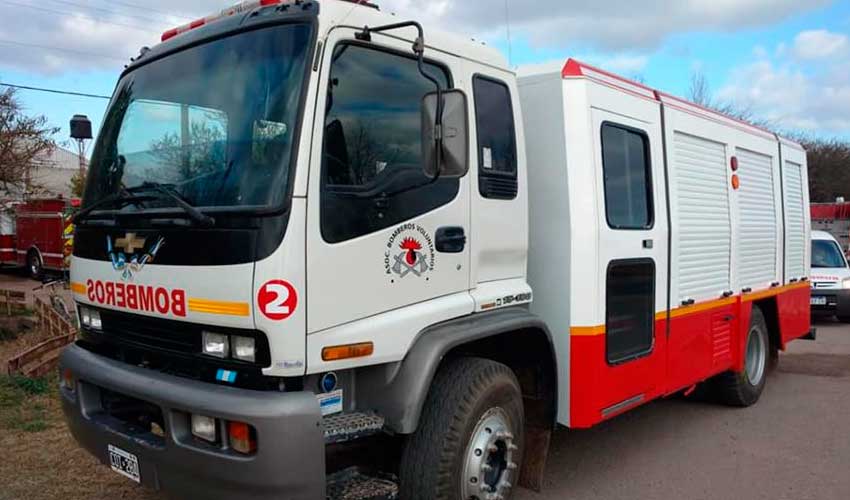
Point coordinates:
[[409, 252], [277, 299]]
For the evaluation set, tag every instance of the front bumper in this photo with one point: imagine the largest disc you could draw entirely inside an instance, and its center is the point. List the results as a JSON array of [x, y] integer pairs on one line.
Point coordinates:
[[290, 458], [837, 301]]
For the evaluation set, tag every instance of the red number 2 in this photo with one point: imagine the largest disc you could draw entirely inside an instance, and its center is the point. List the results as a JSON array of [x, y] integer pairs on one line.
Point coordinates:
[[277, 299]]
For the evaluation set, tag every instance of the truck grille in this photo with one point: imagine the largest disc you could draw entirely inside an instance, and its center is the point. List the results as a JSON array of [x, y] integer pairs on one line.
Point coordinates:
[[174, 347]]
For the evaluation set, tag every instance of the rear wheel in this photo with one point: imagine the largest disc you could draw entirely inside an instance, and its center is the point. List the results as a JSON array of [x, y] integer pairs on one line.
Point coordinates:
[[745, 387], [35, 266], [469, 443]]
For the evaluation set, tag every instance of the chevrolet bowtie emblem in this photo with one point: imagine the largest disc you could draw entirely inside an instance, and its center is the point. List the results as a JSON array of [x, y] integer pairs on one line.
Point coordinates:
[[130, 243]]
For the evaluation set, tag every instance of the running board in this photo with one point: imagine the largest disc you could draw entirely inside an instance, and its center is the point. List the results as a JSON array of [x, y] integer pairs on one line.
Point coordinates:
[[344, 427], [352, 484]]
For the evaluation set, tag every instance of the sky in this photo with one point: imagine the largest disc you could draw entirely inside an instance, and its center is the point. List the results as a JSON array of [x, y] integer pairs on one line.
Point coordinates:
[[787, 61]]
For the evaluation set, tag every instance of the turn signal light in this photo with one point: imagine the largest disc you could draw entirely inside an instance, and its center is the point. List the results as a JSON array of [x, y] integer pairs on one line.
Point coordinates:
[[242, 436], [348, 351]]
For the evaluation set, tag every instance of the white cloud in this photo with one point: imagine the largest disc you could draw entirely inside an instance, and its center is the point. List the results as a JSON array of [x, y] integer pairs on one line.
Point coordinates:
[[116, 31], [801, 94], [608, 25], [820, 44]]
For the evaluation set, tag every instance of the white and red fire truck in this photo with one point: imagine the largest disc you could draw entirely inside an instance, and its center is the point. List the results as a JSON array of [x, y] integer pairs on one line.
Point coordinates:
[[322, 254], [37, 234]]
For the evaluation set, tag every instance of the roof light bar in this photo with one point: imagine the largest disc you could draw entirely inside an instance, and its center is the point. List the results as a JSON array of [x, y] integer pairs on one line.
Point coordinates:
[[241, 7]]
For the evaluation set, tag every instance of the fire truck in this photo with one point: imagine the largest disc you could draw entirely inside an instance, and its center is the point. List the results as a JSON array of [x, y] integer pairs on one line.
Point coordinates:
[[325, 252], [37, 234]]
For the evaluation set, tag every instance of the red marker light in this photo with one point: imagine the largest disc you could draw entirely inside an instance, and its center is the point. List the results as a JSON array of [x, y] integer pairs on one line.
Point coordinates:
[[733, 163]]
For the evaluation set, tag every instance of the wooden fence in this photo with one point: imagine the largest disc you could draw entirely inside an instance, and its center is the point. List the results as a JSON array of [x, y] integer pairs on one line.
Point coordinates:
[[12, 301], [42, 358]]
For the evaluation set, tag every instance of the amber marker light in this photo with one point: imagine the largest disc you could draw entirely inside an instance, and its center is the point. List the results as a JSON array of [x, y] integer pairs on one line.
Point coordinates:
[[348, 351]]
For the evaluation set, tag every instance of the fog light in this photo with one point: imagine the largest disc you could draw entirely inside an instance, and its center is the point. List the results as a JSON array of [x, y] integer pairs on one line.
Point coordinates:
[[243, 348], [204, 427], [216, 344], [243, 438], [67, 380], [96, 323]]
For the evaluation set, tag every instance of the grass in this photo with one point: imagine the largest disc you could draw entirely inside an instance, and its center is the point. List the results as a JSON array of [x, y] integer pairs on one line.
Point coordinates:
[[46, 462], [23, 404]]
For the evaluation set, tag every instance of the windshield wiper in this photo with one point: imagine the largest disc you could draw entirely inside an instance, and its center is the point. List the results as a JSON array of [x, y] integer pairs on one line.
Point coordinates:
[[168, 192], [121, 198]]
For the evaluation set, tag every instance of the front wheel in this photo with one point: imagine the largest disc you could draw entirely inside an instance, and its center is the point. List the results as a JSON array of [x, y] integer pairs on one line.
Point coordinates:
[[745, 387], [34, 265], [469, 443]]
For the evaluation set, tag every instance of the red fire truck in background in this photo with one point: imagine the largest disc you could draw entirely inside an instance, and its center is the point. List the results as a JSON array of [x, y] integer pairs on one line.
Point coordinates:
[[37, 234]]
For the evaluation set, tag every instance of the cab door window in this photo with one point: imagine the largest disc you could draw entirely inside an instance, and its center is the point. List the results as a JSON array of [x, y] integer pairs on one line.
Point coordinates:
[[372, 176]]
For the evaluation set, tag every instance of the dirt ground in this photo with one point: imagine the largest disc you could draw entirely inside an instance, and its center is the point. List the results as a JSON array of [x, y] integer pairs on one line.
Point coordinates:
[[792, 445]]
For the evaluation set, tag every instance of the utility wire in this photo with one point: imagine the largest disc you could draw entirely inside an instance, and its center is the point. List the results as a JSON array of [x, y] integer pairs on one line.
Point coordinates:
[[148, 9], [107, 11], [61, 49], [91, 18], [508, 29], [53, 91]]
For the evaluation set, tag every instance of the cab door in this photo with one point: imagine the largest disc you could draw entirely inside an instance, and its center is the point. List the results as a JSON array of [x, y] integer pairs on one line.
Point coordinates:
[[633, 254], [387, 252]]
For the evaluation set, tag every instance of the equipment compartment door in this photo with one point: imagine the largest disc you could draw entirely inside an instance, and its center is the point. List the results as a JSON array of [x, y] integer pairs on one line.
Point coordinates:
[[633, 255]]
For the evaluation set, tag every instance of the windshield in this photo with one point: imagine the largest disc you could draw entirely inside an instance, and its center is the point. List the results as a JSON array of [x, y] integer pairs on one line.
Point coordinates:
[[215, 122], [826, 253]]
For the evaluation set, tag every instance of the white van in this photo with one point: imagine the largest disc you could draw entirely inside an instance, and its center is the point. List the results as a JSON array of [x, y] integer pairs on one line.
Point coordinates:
[[830, 277]]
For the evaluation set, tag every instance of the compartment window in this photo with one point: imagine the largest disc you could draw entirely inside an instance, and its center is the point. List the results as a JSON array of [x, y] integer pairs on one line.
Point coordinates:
[[628, 184], [630, 309]]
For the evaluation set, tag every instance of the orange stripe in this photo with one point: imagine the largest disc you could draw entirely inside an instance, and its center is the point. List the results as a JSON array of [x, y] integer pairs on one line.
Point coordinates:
[[749, 297], [587, 331], [219, 307], [699, 307], [79, 288]]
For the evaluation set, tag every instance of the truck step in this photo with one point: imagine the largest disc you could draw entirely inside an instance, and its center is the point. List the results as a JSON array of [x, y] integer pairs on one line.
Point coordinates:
[[344, 427], [352, 484]]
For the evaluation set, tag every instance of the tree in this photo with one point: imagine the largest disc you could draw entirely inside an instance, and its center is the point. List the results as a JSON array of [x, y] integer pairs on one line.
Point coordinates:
[[700, 93], [24, 142], [78, 184], [828, 159], [829, 168]]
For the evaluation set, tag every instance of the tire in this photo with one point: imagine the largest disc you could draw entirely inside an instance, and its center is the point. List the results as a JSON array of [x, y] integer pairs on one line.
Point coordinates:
[[473, 415], [745, 387], [35, 266]]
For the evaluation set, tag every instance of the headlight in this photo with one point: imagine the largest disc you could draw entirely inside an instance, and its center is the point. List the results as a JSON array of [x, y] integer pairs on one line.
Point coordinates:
[[216, 344], [85, 316], [845, 283], [90, 318], [96, 323], [244, 348]]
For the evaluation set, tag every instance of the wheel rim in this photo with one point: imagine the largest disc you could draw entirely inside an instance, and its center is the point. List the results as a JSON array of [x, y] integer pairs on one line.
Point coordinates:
[[756, 357], [34, 264], [489, 460]]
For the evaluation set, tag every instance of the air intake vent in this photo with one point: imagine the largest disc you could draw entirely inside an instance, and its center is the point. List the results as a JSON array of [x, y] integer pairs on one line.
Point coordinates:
[[498, 188]]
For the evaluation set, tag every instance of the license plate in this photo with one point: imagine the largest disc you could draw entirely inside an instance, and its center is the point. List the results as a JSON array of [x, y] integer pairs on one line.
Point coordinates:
[[818, 301], [124, 463]]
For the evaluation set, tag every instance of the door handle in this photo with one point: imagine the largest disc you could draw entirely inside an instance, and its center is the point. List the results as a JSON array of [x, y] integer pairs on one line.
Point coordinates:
[[450, 239]]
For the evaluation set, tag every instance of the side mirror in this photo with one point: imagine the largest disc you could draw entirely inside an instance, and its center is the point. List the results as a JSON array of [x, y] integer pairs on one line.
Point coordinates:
[[455, 154]]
